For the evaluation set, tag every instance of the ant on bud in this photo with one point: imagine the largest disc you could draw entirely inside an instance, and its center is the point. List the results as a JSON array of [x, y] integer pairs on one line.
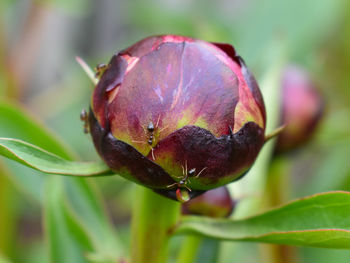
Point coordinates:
[[84, 116], [149, 132], [186, 174], [100, 69], [150, 129]]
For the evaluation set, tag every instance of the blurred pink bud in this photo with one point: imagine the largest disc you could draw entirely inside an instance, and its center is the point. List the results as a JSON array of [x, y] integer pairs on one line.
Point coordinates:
[[302, 108]]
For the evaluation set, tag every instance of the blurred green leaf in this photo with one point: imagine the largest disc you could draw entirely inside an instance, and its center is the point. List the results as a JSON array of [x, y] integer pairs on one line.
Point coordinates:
[[18, 123], [39, 159], [3, 260], [74, 8], [76, 223], [321, 220], [88, 208], [330, 173], [75, 220], [68, 240]]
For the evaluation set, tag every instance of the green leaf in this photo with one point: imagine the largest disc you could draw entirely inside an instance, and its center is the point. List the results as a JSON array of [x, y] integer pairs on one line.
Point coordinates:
[[85, 201], [68, 240], [41, 160], [321, 220], [77, 227], [17, 123], [3, 260]]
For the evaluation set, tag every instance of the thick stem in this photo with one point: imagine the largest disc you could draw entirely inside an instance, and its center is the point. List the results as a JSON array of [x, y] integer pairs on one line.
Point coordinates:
[[277, 193], [7, 214], [153, 218], [189, 249]]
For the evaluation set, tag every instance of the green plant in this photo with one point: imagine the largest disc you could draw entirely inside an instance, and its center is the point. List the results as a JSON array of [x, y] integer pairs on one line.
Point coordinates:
[[78, 229]]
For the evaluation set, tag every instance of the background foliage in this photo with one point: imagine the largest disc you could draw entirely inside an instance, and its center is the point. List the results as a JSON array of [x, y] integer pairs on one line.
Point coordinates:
[[38, 73]]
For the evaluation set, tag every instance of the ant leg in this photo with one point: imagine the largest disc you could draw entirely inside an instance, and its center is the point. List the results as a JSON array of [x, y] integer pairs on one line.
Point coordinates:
[[138, 142], [157, 125], [200, 172], [179, 177], [172, 185], [144, 130], [158, 121], [152, 152], [189, 189], [162, 129]]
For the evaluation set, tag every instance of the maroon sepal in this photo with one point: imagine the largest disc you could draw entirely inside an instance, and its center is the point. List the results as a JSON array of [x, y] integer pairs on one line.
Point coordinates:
[[120, 156]]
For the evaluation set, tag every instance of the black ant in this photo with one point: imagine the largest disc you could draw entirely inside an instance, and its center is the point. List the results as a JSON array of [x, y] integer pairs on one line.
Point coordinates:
[[150, 129], [149, 132], [186, 174], [84, 116], [100, 68]]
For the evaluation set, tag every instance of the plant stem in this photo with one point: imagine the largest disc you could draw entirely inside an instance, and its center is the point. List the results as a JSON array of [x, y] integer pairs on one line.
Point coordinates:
[[189, 249], [153, 218], [7, 213], [277, 193]]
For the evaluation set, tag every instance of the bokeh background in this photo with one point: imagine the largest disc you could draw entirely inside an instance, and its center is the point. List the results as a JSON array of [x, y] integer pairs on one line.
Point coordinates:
[[38, 44]]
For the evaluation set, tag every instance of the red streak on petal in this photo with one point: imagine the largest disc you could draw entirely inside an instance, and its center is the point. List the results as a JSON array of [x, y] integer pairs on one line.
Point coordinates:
[[179, 89], [131, 62], [111, 94], [176, 39], [168, 69]]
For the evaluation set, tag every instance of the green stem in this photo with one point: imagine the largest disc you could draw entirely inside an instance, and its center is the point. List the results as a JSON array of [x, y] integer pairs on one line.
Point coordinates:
[[277, 193], [189, 249], [7, 215], [153, 218]]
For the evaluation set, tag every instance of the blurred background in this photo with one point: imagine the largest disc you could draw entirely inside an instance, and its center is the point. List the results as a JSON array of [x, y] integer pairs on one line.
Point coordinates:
[[38, 44]]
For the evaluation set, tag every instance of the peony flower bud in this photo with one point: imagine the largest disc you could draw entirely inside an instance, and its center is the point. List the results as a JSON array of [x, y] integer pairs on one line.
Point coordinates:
[[302, 108], [213, 203], [177, 115]]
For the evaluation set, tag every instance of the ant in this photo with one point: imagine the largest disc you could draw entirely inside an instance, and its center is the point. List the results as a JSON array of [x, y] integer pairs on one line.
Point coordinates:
[[150, 129], [84, 116], [186, 174], [100, 68], [149, 132]]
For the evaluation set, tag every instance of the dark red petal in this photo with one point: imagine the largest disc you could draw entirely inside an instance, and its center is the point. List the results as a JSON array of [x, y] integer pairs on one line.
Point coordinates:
[[228, 49], [143, 47], [253, 86], [149, 44], [177, 84], [126, 160], [248, 77], [111, 78]]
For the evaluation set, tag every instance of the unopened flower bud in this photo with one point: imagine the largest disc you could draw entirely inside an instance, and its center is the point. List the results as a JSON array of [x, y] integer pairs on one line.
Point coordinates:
[[172, 112]]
